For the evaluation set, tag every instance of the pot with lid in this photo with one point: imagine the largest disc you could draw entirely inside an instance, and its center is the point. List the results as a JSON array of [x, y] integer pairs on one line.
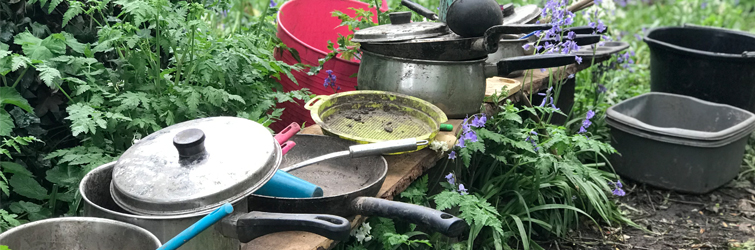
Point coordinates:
[[174, 177], [447, 70]]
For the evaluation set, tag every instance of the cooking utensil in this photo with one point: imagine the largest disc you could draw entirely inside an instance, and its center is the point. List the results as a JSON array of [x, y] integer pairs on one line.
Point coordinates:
[[198, 227], [195, 166], [522, 15], [175, 176], [238, 227], [601, 51], [445, 47], [356, 151], [472, 18], [400, 29], [513, 47], [352, 190], [78, 233], [375, 116], [419, 9], [455, 87], [282, 184]]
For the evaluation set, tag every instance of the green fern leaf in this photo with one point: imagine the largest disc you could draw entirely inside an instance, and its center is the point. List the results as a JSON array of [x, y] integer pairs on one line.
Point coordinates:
[[447, 199], [85, 119], [6, 123], [140, 10], [53, 5], [42, 2], [4, 185], [48, 75], [9, 95], [74, 9], [19, 61]]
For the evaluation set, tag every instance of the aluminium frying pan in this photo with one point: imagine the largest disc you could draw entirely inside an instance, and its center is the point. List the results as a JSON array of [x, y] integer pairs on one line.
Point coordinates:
[[350, 186]]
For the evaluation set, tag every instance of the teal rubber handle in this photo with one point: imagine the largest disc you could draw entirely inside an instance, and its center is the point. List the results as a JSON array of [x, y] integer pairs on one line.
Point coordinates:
[[283, 184], [198, 227]]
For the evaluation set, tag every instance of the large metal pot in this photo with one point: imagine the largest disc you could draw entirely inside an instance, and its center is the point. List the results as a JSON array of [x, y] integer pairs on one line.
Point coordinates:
[[78, 233], [456, 87], [174, 177]]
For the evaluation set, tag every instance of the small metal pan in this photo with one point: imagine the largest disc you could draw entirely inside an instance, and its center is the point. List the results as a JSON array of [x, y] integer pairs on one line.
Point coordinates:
[[350, 186]]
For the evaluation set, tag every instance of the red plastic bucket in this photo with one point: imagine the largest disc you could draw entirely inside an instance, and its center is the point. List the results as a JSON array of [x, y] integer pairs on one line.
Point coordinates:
[[307, 26]]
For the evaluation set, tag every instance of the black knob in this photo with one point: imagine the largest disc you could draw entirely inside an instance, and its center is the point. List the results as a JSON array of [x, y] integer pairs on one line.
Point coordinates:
[[189, 142], [400, 17], [507, 9]]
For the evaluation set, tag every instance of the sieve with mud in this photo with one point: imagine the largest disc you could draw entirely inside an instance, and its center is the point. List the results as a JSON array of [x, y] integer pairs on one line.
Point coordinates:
[[368, 116]]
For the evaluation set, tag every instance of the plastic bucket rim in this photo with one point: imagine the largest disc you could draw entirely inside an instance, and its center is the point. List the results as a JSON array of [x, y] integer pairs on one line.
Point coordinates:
[[680, 132], [306, 45], [687, 51], [676, 140]]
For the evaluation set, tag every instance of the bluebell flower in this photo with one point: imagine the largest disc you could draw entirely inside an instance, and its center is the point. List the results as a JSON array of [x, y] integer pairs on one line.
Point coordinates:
[[601, 88], [578, 59], [526, 46], [273, 4], [586, 122], [533, 132], [618, 191], [452, 155], [450, 178], [571, 76], [703, 5], [479, 122], [462, 190], [330, 81]]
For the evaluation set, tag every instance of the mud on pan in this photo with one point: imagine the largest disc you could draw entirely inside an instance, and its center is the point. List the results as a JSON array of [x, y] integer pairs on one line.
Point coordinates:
[[367, 116]]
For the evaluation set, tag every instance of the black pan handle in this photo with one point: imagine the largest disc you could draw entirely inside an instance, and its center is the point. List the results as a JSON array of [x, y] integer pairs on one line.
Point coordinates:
[[580, 40], [493, 34], [511, 64], [256, 224], [585, 30], [419, 9], [438, 221]]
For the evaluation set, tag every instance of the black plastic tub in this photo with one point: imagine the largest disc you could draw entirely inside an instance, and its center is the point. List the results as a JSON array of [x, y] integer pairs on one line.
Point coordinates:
[[703, 62], [678, 142]]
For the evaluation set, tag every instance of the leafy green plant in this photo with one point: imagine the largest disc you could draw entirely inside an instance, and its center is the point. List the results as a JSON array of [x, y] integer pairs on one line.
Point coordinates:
[[124, 69]]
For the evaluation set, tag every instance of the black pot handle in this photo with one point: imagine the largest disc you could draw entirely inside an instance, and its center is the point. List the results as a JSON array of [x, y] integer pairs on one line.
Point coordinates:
[[438, 221], [419, 9], [580, 40], [256, 224], [511, 64], [493, 34], [586, 30]]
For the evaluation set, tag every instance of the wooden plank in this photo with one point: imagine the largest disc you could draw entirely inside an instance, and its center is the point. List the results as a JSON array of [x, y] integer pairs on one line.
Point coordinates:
[[499, 84], [402, 171]]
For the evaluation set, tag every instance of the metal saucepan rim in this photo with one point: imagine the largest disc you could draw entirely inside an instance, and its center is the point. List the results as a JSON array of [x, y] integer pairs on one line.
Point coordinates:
[[475, 61], [366, 186]]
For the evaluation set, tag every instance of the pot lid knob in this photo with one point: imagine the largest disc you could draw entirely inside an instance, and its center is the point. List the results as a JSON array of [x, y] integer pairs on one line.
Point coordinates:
[[189, 143], [400, 17], [507, 9]]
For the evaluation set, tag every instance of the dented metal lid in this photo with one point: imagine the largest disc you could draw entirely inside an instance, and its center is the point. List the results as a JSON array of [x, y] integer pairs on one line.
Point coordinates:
[[195, 166], [400, 29]]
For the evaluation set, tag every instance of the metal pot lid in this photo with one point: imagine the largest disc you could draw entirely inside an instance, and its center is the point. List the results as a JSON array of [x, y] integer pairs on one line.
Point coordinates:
[[523, 14], [400, 29], [195, 166]]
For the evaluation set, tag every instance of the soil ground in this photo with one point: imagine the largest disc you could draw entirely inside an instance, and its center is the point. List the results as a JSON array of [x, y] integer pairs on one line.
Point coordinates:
[[722, 219]]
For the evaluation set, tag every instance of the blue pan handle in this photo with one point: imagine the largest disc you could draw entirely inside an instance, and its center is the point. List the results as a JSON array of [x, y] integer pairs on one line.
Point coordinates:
[[198, 227]]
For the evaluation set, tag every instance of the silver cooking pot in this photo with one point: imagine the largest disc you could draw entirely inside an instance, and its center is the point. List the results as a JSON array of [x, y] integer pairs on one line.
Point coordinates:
[[456, 87], [172, 178], [78, 233]]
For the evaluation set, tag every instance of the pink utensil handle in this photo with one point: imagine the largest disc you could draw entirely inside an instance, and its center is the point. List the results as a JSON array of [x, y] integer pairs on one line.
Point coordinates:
[[287, 133], [286, 146]]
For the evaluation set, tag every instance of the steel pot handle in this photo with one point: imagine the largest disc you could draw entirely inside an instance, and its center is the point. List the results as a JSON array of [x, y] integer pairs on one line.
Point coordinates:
[[438, 221], [419, 9], [313, 103], [506, 66], [249, 226]]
